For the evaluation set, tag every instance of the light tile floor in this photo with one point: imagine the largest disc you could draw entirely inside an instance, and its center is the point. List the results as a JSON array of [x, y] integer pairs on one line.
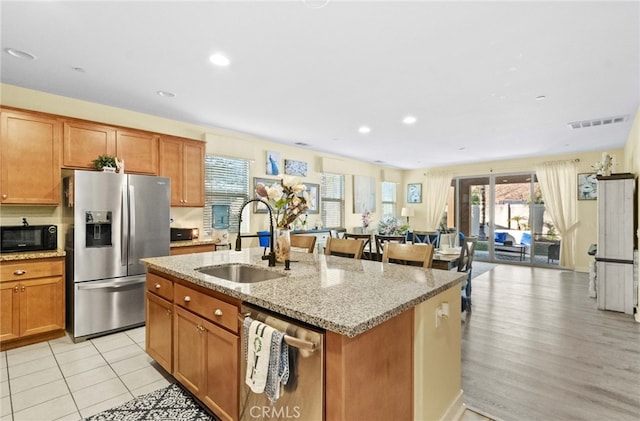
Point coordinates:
[[60, 380]]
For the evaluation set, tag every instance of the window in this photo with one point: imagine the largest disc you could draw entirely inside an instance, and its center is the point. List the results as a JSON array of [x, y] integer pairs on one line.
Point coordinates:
[[226, 182], [332, 200], [389, 199]]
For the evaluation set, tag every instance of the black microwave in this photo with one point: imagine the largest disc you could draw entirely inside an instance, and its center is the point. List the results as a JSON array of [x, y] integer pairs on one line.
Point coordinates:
[[28, 238]]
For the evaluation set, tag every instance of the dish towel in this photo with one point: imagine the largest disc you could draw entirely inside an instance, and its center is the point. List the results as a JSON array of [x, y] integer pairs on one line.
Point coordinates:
[[267, 358]]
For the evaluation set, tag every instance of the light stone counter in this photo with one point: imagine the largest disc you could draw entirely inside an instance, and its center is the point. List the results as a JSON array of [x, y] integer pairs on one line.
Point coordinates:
[[29, 255], [345, 296]]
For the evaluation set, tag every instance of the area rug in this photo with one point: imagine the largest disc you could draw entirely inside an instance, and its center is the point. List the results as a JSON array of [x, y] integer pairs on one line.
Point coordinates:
[[169, 403]]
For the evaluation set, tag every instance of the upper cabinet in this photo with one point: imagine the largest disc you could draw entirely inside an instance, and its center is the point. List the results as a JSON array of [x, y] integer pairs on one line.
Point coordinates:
[[182, 160], [139, 150], [30, 145], [83, 142]]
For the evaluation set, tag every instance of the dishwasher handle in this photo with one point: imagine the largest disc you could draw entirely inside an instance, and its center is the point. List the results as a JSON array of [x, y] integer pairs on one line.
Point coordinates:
[[289, 340]]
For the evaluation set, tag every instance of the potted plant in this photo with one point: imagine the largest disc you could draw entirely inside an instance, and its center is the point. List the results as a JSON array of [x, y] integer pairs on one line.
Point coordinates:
[[105, 161]]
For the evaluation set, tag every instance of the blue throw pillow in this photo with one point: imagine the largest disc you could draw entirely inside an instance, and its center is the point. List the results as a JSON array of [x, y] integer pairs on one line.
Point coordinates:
[[526, 238], [500, 237]]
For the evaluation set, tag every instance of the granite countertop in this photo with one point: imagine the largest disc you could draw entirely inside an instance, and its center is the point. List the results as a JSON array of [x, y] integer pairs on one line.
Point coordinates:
[[29, 255], [195, 242], [346, 296]]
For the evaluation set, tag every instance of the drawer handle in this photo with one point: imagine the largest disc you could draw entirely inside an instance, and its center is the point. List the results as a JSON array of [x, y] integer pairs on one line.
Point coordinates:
[[187, 298], [218, 312], [157, 286], [19, 272]]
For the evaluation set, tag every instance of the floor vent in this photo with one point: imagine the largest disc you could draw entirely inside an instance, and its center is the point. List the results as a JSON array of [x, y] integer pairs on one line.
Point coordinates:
[[598, 122]]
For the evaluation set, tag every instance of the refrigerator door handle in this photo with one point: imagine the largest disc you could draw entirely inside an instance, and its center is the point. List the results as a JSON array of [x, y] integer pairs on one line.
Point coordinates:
[[109, 284], [132, 223], [124, 228]]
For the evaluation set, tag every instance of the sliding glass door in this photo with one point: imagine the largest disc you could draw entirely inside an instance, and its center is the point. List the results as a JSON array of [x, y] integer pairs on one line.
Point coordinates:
[[507, 214]]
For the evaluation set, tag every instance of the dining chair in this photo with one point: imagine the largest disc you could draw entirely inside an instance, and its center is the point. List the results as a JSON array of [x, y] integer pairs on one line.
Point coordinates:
[[338, 232], [307, 242], [467, 251], [382, 239], [344, 247], [367, 250], [427, 237], [408, 254]]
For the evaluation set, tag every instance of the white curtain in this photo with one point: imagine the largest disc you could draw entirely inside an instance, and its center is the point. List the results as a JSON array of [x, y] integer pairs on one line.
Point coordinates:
[[558, 184], [436, 192]]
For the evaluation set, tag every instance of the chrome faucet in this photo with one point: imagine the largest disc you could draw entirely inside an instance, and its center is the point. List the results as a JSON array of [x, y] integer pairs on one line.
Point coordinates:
[[272, 255]]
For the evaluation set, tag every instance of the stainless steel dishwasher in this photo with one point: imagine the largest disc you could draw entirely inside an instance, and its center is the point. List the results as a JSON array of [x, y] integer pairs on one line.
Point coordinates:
[[303, 396]]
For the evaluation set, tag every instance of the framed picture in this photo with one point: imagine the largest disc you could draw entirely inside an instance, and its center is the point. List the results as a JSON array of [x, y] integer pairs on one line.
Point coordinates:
[[292, 167], [273, 163], [314, 193], [364, 194], [257, 206], [587, 186], [414, 193]]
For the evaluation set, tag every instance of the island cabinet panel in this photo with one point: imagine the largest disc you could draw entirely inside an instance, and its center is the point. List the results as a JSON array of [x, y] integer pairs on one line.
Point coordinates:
[[29, 158], [200, 248], [83, 142], [189, 346], [33, 301], [159, 337], [370, 376], [139, 150], [182, 160]]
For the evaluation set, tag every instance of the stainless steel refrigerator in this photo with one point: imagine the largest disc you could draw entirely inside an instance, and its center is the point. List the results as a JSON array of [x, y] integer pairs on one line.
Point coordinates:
[[117, 219]]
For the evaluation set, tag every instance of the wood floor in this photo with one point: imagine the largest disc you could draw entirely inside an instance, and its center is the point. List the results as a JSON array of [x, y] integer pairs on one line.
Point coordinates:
[[536, 348]]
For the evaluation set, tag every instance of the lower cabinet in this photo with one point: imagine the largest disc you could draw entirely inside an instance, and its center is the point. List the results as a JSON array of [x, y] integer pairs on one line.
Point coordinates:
[[202, 351], [32, 301]]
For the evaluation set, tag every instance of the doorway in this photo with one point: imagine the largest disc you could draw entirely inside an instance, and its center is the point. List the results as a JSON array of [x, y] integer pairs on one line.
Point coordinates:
[[507, 214]]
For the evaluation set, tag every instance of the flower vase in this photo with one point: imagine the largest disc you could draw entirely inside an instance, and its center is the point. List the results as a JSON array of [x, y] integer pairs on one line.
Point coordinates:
[[282, 244]]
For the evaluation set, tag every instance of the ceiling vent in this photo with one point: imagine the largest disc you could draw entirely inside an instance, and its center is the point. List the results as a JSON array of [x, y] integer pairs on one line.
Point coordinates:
[[598, 122]]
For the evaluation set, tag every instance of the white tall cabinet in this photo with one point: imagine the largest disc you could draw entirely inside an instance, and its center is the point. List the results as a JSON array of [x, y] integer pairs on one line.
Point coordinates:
[[616, 290]]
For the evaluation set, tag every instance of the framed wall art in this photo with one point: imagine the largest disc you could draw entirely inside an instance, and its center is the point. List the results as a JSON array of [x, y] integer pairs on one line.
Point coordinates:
[[257, 206], [314, 192], [587, 186], [292, 167], [414, 193], [273, 163], [364, 194]]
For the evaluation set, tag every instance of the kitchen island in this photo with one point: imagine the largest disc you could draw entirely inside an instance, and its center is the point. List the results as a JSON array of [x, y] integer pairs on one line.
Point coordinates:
[[388, 354]]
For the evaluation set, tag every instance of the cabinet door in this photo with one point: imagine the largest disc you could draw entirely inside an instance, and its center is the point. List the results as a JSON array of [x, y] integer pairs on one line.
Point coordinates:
[[189, 341], [221, 392], [83, 142], [159, 328], [139, 150], [193, 180], [9, 310], [29, 159], [172, 165], [41, 305]]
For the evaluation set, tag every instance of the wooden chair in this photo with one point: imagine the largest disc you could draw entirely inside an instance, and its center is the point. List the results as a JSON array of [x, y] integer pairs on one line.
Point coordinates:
[[408, 254], [344, 247], [467, 250], [427, 237], [381, 239], [307, 242], [366, 238]]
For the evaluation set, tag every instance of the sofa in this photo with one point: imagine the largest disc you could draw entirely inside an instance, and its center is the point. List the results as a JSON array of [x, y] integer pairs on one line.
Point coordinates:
[[512, 241]]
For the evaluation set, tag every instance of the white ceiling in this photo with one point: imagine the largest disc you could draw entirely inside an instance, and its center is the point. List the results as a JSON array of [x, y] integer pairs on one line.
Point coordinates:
[[469, 72]]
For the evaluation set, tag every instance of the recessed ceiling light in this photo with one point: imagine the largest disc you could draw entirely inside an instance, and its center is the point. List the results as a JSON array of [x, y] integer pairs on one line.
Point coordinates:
[[19, 54], [219, 59], [541, 98], [166, 94], [364, 129], [409, 119]]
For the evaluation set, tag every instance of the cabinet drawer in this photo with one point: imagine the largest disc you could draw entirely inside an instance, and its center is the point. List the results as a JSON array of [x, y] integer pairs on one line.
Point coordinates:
[[220, 312], [160, 286], [15, 271]]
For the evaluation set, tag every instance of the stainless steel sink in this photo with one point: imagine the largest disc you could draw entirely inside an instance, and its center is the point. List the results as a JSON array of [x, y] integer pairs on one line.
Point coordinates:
[[239, 273]]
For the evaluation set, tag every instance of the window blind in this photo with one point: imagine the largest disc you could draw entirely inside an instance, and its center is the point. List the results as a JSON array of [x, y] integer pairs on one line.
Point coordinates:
[[332, 199], [226, 182], [389, 199]]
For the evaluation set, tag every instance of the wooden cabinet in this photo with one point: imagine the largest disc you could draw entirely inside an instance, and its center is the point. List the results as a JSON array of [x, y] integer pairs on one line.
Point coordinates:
[[83, 142], [182, 160], [205, 341], [33, 301], [139, 150], [159, 318], [29, 158]]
